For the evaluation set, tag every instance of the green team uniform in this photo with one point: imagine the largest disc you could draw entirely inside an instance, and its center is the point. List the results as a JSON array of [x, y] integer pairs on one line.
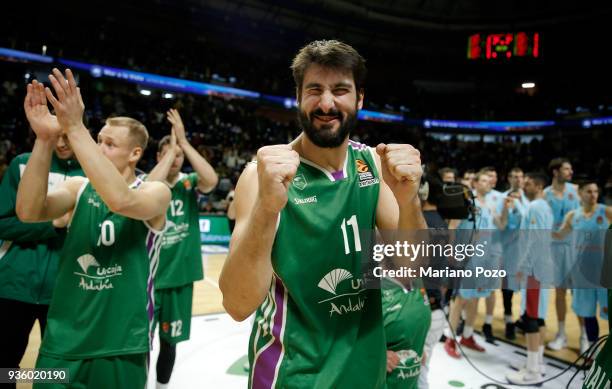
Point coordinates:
[[180, 262], [319, 326], [29, 251], [102, 305], [601, 372], [600, 375], [407, 318]]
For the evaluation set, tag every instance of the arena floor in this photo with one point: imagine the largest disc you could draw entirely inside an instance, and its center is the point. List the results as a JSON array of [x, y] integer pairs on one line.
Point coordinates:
[[216, 353]]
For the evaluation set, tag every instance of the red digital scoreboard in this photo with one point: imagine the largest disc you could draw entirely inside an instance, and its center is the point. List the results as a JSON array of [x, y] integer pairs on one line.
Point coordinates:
[[504, 46]]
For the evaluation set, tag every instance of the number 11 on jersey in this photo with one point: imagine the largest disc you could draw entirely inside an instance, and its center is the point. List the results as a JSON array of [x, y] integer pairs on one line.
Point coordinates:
[[352, 221]]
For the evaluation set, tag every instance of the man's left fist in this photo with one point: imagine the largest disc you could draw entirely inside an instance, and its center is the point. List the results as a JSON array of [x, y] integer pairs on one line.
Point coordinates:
[[401, 170]]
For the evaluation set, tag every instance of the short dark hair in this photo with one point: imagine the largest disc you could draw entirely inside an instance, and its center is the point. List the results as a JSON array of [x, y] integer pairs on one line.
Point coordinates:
[[539, 178], [487, 169], [587, 181], [515, 169], [332, 54], [444, 170], [556, 163]]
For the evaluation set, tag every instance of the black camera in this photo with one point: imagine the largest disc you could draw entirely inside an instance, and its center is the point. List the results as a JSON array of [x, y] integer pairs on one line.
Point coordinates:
[[453, 200]]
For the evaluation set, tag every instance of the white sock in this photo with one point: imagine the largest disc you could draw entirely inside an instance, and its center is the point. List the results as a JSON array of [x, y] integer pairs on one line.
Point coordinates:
[[508, 318], [561, 328], [463, 315], [162, 386], [532, 361], [489, 319], [583, 334], [541, 355], [448, 333], [468, 331]]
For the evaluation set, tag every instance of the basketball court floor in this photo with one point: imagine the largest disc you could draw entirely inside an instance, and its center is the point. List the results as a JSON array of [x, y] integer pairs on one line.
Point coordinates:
[[215, 356]]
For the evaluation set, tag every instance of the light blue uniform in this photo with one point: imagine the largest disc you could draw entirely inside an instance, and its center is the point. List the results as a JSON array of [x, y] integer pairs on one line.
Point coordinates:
[[510, 238], [562, 250], [589, 237], [493, 198], [536, 256], [486, 231]]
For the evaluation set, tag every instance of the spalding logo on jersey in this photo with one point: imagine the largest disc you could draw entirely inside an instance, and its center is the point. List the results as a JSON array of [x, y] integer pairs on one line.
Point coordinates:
[[599, 219], [570, 196], [165, 326], [366, 178], [299, 181], [187, 184]]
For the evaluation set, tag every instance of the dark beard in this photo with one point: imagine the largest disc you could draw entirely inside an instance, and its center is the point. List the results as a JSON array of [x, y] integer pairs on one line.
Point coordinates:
[[324, 136]]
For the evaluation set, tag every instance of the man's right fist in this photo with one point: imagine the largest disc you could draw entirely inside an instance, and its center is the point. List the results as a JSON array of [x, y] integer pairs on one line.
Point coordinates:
[[276, 166]]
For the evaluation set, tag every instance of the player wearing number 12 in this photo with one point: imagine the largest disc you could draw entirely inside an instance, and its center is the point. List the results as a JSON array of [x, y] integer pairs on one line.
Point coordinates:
[[180, 262], [295, 256], [100, 316]]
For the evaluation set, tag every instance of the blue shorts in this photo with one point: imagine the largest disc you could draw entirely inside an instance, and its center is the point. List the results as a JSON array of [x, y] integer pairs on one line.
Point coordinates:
[[584, 302], [474, 293], [563, 260]]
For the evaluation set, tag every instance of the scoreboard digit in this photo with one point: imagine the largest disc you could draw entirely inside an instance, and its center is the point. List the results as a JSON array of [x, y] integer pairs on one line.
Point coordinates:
[[503, 46]]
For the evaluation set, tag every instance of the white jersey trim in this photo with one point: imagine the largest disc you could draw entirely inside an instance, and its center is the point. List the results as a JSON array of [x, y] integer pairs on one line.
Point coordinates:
[[327, 173], [76, 204]]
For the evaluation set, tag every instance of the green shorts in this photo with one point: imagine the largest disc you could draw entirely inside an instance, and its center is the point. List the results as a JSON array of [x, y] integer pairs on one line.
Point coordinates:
[[601, 372], [122, 371], [173, 312]]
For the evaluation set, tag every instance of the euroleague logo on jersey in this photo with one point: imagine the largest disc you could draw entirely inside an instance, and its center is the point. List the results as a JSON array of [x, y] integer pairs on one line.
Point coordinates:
[[366, 178]]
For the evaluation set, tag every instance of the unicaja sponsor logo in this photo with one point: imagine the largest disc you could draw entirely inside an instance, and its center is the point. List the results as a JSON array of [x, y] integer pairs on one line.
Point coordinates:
[[342, 303], [87, 260], [410, 364], [102, 276]]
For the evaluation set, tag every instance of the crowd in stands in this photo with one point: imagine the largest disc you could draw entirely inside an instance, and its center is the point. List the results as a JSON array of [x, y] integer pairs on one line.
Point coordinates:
[[228, 133]]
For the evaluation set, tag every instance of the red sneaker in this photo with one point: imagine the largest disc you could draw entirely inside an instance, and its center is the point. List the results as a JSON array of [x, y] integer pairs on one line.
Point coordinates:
[[451, 348], [471, 343]]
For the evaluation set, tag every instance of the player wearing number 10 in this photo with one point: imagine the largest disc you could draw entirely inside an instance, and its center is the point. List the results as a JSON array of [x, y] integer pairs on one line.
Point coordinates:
[[180, 260], [295, 254], [99, 321]]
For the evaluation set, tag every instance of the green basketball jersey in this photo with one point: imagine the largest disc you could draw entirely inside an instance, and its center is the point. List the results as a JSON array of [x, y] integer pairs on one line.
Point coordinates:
[[600, 375], [180, 260], [407, 318], [319, 327], [102, 304]]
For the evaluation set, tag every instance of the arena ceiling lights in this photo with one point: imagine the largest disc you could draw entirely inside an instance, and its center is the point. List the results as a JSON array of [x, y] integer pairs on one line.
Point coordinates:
[[186, 86]]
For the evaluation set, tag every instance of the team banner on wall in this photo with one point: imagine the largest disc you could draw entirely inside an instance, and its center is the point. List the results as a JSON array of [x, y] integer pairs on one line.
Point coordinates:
[[214, 230]]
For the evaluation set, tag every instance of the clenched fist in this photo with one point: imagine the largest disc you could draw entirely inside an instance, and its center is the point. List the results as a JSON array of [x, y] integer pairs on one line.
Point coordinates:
[[401, 170], [276, 166]]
